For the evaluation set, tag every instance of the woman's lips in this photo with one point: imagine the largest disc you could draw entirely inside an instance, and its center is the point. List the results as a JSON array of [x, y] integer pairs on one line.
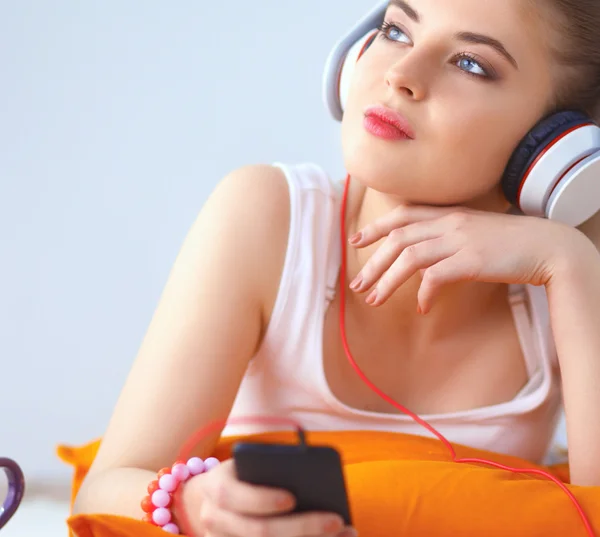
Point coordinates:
[[388, 124]]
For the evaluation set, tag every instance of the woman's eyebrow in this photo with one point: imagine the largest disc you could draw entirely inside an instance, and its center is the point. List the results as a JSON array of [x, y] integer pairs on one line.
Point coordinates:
[[471, 37], [405, 6]]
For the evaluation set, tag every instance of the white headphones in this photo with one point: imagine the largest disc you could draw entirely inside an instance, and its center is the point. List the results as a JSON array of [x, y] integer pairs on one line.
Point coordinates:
[[554, 172]]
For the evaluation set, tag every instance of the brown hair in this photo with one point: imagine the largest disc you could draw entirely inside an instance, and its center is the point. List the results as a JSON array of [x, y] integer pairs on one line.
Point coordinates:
[[576, 48]]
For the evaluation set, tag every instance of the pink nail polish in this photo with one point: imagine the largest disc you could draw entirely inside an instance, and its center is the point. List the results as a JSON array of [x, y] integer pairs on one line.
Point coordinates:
[[372, 298], [355, 239], [356, 282], [333, 524], [285, 502]]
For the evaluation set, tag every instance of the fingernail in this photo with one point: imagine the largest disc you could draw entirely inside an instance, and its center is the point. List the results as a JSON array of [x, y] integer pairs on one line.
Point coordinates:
[[356, 282], [333, 524], [355, 239], [285, 501], [348, 532], [372, 298]]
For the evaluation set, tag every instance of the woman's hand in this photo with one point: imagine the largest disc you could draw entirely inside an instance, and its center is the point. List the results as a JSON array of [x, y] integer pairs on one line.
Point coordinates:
[[217, 504], [453, 244]]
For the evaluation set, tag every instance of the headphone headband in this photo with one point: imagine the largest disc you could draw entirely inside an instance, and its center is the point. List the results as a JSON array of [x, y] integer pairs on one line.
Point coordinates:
[[336, 60]]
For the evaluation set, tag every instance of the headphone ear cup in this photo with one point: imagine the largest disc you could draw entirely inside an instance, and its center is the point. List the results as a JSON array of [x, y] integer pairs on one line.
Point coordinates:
[[532, 145], [349, 65], [553, 171]]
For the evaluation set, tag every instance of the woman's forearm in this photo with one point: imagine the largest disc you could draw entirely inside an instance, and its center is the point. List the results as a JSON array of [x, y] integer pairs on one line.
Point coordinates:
[[118, 491], [574, 302]]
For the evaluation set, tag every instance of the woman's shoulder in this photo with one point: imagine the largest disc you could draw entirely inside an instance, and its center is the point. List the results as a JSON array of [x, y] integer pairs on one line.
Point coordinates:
[[263, 200], [256, 196], [256, 183], [274, 200], [267, 194]]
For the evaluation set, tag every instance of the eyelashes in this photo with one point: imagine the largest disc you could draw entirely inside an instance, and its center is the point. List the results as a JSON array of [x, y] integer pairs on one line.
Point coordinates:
[[484, 72], [384, 27]]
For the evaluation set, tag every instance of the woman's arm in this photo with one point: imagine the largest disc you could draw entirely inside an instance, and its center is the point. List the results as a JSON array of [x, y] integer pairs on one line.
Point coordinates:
[[574, 301], [207, 326]]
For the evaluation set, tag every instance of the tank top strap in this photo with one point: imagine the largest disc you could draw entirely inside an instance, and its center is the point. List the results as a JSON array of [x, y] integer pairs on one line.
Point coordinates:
[[307, 272], [517, 297]]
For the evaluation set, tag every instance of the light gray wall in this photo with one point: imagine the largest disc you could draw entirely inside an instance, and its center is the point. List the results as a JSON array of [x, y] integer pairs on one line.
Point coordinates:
[[117, 119]]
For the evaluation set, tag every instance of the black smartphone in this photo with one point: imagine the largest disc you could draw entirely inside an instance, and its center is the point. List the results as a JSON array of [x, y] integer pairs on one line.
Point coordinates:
[[313, 474]]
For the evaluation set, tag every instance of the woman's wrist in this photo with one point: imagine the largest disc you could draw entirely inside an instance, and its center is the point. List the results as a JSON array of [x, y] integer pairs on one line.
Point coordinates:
[[158, 504], [574, 261]]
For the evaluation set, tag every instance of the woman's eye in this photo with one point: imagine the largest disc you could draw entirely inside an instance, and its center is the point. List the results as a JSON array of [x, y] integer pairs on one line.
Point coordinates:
[[391, 32], [471, 66]]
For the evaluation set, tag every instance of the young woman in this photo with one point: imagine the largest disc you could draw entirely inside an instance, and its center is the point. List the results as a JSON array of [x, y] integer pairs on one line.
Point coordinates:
[[476, 318]]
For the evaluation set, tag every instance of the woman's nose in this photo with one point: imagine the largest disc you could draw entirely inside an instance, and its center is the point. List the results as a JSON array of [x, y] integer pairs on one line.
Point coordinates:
[[407, 77]]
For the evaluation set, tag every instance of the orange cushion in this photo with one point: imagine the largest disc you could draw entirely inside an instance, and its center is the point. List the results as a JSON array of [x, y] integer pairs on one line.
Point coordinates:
[[407, 486]]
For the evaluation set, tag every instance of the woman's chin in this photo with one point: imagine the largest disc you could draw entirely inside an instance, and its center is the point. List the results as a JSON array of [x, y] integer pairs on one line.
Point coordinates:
[[415, 187], [381, 175]]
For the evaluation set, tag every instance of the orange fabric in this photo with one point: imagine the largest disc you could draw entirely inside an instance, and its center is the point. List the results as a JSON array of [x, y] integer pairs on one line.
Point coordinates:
[[406, 486]]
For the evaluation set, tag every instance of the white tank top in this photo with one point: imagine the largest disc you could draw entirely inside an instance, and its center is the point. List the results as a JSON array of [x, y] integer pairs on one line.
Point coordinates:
[[286, 377]]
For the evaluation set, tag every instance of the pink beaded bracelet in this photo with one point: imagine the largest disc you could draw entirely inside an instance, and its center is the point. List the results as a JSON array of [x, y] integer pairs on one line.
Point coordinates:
[[160, 491]]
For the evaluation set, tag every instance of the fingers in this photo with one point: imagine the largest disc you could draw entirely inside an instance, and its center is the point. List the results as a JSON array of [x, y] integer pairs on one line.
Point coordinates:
[[417, 239], [232, 508], [399, 217], [400, 242], [458, 267], [224, 490], [220, 522], [416, 257]]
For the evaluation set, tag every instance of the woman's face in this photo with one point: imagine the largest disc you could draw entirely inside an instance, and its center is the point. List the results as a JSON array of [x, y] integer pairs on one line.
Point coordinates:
[[470, 76]]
